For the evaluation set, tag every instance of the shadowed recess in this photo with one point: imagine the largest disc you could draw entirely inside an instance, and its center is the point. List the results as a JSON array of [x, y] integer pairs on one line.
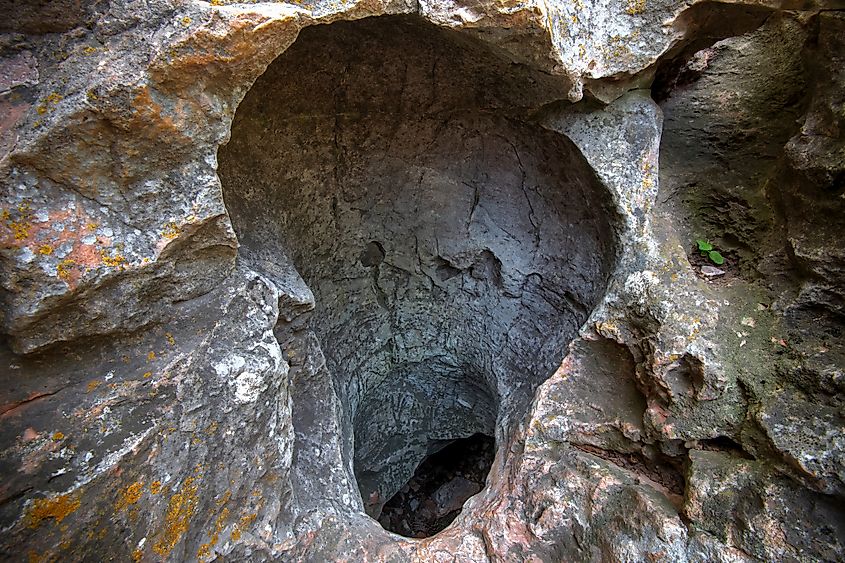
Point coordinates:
[[453, 247]]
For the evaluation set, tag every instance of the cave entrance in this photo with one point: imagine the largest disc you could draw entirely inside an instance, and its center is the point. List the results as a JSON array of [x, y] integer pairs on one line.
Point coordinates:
[[436, 493], [453, 246]]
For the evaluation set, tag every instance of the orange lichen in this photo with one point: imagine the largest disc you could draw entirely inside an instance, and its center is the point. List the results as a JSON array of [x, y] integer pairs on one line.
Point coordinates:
[[129, 496], [242, 525], [41, 238], [93, 384], [58, 436], [155, 487], [180, 510], [58, 508], [219, 524], [224, 499], [137, 555], [150, 120]]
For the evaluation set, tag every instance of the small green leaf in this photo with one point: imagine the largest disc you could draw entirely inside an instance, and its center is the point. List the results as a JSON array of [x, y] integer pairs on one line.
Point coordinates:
[[717, 258], [704, 246]]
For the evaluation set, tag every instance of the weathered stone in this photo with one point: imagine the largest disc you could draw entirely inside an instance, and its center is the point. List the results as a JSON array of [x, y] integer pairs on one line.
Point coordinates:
[[427, 220]]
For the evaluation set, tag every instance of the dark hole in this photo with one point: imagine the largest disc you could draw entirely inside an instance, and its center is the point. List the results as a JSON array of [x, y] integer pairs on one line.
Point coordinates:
[[442, 483], [724, 444], [373, 255]]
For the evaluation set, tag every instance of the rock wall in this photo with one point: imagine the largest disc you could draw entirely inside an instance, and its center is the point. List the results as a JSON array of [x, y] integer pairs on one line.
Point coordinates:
[[427, 220]]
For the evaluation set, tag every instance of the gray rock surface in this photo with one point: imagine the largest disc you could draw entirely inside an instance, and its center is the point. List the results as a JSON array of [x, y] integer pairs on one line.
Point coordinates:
[[260, 259]]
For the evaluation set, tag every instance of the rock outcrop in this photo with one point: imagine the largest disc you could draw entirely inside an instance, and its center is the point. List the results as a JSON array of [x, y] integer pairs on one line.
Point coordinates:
[[261, 260]]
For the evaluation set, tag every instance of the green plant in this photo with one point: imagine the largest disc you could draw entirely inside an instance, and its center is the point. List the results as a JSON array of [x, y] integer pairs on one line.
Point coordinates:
[[707, 250]]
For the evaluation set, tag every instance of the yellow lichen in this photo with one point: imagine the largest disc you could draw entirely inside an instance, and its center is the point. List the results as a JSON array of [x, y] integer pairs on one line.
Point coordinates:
[[180, 510], [20, 227], [148, 374], [89, 50], [170, 231], [58, 508], [186, 21], [45, 249], [170, 339], [635, 7], [58, 436], [63, 269], [115, 260], [155, 487], [151, 356], [129, 496], [93, 384], [52, 99], [137, 555]]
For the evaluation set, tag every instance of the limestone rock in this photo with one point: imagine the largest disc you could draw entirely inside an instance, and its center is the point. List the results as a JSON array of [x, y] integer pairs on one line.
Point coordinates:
[[259, 260]]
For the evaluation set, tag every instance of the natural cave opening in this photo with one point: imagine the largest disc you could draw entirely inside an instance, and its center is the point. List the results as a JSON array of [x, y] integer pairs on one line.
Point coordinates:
[[452, 245], [436, 493]]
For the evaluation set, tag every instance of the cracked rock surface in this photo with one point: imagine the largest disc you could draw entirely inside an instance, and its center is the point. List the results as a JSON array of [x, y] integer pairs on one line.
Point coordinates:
[[260, 260]]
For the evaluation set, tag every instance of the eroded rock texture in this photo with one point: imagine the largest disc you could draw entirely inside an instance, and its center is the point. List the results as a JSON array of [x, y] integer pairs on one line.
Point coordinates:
[[259, 260], [453, 249]]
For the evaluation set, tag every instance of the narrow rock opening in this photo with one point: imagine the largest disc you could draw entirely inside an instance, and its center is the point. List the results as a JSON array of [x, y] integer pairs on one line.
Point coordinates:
[[436, 493], [453, 246]]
